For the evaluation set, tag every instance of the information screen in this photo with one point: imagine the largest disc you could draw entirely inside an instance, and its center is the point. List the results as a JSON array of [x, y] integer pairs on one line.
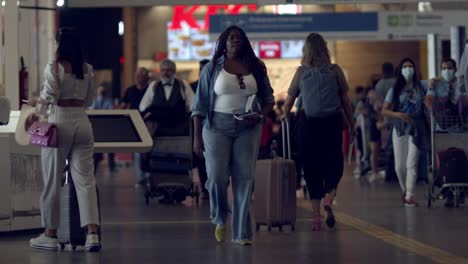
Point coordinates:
[[113, 128]]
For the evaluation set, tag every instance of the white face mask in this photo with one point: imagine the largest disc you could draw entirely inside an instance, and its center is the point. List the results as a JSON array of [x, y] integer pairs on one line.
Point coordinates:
[[448, 74], [407, 72]]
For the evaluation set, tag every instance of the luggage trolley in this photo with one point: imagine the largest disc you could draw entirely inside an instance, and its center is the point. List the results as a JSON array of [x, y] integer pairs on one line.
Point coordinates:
[[448, 129], [170, 168]]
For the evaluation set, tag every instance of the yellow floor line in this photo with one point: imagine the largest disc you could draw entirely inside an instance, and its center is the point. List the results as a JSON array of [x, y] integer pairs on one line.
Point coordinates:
[[435, 254]]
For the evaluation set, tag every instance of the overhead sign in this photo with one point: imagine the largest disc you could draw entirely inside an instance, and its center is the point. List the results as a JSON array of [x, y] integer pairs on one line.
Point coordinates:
[[186, 14], [296, 26], [328, 2], [344, 26], [122, 3]]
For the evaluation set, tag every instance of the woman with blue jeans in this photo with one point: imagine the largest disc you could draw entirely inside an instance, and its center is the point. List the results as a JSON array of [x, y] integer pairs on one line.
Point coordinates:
[[230, 145]]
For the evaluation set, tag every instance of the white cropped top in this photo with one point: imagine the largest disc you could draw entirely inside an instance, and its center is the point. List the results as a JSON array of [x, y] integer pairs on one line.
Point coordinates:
[[69, 88], [229, 97]]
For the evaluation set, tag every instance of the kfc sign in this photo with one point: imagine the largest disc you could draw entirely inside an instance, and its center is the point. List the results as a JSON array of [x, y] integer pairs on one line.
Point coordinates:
[[270, 49], [185, 13]]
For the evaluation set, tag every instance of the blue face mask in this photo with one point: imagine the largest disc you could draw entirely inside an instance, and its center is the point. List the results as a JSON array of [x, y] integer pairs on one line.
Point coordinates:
[[407, 72], [448, 74]]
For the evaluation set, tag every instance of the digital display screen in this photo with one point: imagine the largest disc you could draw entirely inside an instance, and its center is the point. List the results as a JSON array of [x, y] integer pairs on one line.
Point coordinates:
[[186, 43], [113, 128]]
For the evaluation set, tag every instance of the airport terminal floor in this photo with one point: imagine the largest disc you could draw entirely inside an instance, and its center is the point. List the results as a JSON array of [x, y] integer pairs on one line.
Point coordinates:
[[373, 227]]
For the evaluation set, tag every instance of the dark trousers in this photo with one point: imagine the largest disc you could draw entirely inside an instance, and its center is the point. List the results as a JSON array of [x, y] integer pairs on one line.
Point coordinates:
[[322, 154]]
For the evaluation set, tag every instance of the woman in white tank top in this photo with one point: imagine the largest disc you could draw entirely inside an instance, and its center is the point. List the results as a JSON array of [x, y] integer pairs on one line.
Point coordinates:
[[230, 146]]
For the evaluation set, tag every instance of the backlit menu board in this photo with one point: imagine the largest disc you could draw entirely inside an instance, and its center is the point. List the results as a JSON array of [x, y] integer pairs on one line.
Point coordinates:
[[187, 44], [291, 49]]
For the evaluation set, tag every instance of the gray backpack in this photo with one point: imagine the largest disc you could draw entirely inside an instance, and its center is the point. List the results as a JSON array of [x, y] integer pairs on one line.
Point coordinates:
[[320, 91]]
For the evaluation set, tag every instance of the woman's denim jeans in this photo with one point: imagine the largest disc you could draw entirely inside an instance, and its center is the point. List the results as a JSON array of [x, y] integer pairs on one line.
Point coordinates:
[[231, 149]]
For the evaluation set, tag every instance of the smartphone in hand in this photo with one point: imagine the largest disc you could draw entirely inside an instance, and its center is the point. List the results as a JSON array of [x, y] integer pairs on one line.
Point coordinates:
[[247, 115]]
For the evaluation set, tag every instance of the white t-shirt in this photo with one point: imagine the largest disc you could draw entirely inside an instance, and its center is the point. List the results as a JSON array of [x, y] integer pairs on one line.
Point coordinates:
[[230, 98]]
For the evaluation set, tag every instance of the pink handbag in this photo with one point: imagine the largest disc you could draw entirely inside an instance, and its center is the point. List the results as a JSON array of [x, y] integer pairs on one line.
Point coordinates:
[[43, 134]]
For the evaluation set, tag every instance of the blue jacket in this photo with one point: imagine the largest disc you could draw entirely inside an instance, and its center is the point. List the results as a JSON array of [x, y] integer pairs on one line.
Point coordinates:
[[203, 104]]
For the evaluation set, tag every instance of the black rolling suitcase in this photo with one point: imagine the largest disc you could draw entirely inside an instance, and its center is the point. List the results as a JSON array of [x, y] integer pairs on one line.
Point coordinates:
[[70, 231]]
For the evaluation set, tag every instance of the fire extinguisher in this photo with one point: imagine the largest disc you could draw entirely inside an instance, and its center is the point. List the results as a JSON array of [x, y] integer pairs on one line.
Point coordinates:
[[23, 83]]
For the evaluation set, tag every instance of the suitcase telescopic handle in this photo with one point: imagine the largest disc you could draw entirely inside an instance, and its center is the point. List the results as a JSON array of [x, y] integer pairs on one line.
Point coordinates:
[[286, 138], [66, 172]]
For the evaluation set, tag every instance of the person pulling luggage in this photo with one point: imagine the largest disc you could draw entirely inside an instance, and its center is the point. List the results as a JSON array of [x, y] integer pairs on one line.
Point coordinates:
[[323, 89]]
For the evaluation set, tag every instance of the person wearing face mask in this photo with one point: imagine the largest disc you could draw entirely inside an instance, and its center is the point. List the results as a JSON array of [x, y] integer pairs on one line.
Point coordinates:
[[166, 102], [443, 93], [404, 105]]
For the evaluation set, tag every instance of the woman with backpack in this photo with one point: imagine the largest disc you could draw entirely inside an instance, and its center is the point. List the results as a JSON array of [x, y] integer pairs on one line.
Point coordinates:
[[325, 105], [404, 104]]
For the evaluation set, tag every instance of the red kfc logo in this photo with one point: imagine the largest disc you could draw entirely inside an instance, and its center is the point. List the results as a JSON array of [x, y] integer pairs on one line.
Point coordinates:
[[184, 13]]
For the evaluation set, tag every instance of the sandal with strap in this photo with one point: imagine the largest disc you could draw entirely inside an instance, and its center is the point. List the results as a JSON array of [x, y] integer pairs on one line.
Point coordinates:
[[327, 205], [330, 217]]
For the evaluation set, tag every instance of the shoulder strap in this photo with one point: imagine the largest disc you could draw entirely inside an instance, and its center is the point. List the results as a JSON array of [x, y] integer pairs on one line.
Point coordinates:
[[338, 80]]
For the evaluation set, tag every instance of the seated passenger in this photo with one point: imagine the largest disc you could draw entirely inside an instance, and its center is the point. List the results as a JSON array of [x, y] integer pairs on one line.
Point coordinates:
[[167, 102], [443, 94]]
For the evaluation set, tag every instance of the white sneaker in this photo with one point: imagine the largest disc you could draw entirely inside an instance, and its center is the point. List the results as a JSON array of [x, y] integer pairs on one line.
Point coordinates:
[[92, 243], [44, 242], [381, 175], [357, 173], [372, 178]]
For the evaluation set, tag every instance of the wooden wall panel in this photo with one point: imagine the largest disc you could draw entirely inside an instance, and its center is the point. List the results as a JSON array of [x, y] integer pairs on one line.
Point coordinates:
[[361, 59]]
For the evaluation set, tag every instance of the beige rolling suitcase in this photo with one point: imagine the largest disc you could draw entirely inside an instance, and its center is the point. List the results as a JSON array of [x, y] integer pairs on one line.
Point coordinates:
[[275, 189]]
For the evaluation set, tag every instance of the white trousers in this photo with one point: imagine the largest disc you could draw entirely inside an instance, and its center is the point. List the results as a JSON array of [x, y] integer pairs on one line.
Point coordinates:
[[76, 143], [406, 162]]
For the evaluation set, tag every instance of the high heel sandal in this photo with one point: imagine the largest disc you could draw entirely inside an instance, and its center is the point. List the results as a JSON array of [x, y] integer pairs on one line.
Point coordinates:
[[327, 205], [317, 223]]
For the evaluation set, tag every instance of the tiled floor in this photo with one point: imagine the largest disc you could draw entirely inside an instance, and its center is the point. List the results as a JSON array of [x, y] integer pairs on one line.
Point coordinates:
[[372, 227]]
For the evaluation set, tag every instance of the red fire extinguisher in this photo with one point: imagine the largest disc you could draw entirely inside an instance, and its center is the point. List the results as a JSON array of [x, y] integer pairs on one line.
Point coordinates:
[[23, 83]]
